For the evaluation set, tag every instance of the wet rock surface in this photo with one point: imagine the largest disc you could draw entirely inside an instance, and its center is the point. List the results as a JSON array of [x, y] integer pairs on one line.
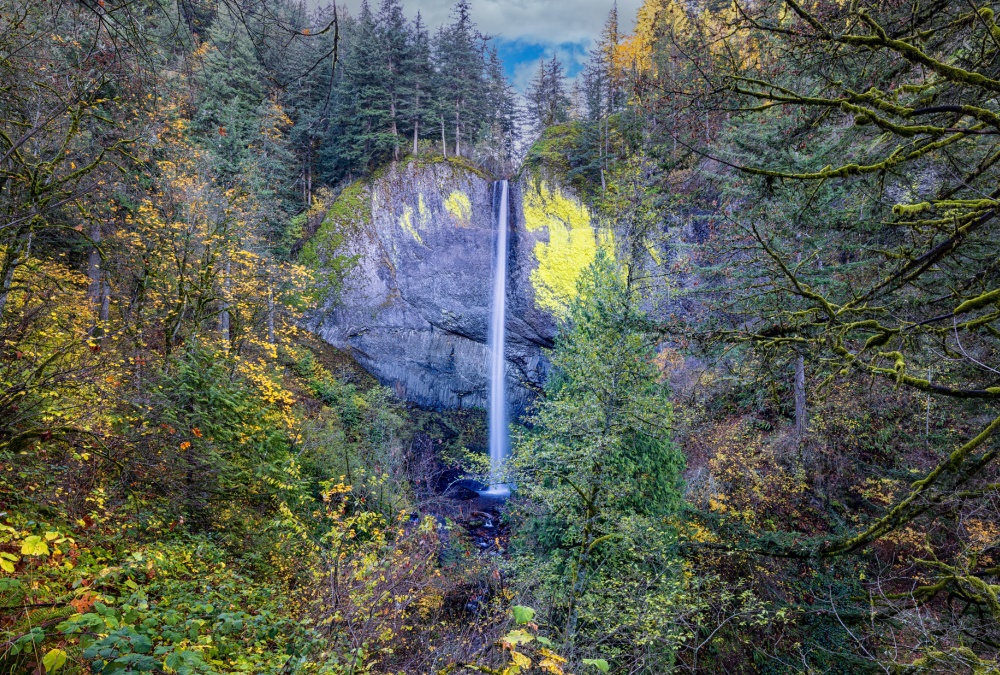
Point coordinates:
[[414, 309]]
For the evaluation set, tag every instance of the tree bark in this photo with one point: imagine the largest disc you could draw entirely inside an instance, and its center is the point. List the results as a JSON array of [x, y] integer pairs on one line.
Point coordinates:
[[801, 419], [395, 131], [270, 315], [12, 261], [98, 291], [224, 314]]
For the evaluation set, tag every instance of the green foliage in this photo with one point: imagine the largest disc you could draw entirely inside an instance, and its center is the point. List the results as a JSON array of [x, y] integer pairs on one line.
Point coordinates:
[[229, 440], [522, 614], [601, 479]]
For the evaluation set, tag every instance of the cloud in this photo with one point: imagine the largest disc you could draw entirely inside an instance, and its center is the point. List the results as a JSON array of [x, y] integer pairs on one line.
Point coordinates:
[[549, 22], [525, 31]]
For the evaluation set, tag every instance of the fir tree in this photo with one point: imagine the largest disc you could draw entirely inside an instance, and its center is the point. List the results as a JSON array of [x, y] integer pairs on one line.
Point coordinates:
[[363, 134], [232, 89], [417, 81], [462, 87], [503, 113], [394, 50], [547, 99], [311, 100]]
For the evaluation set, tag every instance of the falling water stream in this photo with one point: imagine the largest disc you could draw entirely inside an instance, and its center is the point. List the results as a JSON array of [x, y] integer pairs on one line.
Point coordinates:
[[497, 341]]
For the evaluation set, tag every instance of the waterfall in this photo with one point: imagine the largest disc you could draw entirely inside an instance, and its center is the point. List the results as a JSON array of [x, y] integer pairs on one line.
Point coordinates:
[[498, 428]]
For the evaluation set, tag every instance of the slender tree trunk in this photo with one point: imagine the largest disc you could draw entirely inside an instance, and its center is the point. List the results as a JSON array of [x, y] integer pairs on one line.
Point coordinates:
[[98, 290], [801, 420], [94, 265], [579, 581], [270, 315], [416, 137], [105, 300], [395, 131], [444, 141], [458, 134], [224, 314], [12, 260], [927, 418]]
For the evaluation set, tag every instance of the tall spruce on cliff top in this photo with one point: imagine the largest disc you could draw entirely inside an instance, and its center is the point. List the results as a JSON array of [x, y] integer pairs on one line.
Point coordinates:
[[548, 102], [443, 90], [462, 90]]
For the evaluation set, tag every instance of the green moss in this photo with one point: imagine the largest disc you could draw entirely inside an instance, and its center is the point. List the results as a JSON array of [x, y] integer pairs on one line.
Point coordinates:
[[322, 253], [433, 159], [550, 153]]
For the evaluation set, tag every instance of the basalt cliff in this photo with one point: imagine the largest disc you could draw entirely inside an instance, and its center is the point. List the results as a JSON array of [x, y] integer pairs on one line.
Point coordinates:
[[419, 237]]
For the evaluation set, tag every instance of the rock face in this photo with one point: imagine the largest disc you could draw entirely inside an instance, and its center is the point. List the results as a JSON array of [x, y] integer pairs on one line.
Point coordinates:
[[415, 303]]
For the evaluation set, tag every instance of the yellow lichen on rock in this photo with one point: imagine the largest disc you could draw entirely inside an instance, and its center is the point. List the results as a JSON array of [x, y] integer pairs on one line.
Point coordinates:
[[425, 213], [572, 246], [459, 206], [406, 222]]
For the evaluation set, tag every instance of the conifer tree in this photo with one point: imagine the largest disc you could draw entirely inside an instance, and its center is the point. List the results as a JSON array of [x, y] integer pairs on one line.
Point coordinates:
[[546, 95], [503, 113], [394, 45], [417, 83], [608, 57], [364, 127], [462, 90], [232, 88], [311, 100]]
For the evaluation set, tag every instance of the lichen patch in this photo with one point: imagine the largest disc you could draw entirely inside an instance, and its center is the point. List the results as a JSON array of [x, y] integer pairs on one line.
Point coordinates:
[[459, 206], [406, 222], [572, 246]]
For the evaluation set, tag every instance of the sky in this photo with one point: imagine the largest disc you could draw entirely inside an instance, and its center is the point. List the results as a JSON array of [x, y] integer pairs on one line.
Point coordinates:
[[528, 30]]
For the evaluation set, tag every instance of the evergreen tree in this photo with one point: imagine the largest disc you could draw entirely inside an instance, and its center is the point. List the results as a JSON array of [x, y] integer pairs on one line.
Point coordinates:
[[503, 114], [587, 159], [363, 132], [394, 46], [608, 59], [417, 81], [599, 466], [231, 90], [311, 99], [547, 99], [462, 90]]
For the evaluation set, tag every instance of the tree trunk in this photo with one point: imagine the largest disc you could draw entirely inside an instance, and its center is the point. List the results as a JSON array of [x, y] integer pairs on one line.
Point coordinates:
[[444, 141], [416, 137], [98, 289], [105, 300], [224, 314], [395, 131], [12, 261], [270, 315], [801, 420], [94, 266]]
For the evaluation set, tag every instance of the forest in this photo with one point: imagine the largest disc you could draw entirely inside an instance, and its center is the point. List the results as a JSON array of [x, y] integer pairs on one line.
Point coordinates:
[[766, 439]]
